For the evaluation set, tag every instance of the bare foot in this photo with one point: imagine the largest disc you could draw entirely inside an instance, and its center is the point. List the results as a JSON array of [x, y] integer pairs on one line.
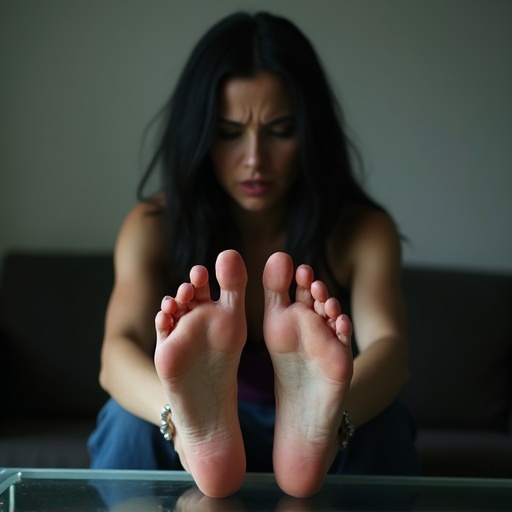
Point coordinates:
[[199, 343], [309, 342]]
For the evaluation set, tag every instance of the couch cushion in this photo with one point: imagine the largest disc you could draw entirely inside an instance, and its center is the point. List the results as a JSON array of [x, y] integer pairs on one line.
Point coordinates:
[[52, 309], [460, 333]]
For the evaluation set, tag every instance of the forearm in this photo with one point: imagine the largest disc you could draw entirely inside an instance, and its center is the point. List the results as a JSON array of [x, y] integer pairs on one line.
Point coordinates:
[[380, 373], [128, 374]]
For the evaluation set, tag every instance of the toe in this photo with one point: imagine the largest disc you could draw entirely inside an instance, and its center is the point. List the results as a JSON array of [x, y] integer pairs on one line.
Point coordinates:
[[278, 272], [332, 308], [232, 277], [319, 291], [277, 277], [163, 324], [168, 305], [199, 280], [304, 278], [344, 329], [185, 293]]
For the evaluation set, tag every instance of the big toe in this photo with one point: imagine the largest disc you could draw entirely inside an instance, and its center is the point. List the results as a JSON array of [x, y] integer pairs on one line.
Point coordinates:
[[231, 272], [278, 273]]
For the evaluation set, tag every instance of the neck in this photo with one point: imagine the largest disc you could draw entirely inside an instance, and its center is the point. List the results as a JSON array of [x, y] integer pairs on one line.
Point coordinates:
[[258, 228]]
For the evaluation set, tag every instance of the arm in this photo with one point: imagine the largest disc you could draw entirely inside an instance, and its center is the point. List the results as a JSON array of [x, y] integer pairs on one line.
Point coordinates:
[[378, 314], [127, 370]]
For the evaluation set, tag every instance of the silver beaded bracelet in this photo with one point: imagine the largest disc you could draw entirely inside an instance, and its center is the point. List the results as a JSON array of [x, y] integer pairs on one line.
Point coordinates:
[[346, 430], [167, 426]]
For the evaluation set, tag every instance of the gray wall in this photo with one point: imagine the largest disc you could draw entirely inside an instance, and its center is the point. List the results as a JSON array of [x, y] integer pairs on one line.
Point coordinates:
[[426, 87]]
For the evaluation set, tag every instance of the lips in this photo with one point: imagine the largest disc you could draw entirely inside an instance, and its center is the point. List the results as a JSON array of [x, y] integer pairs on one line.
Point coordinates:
[[255, 187]]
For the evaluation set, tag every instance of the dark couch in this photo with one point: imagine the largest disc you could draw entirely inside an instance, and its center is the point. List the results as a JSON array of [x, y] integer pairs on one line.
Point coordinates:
[[51, 324], [52, 308], [460, 332]]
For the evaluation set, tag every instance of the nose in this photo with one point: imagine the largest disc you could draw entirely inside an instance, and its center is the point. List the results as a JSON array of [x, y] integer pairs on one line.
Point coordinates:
[[254, 153]]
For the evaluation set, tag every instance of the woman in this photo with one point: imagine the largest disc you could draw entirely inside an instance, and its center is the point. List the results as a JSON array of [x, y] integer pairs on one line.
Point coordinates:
[[257, 179]]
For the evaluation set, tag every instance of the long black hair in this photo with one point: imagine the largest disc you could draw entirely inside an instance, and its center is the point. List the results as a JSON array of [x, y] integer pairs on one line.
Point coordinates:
[[196, 207]]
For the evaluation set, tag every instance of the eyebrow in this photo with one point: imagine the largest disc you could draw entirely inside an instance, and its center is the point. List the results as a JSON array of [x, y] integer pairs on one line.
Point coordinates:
[[278, 120]]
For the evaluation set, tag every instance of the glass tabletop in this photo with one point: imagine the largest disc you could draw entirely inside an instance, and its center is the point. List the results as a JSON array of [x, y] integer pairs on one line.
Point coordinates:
[[41, 490]]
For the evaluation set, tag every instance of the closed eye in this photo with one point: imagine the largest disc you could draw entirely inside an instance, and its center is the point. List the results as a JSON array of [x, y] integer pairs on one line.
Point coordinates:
[[283, 133], [228, 134], [228, 129], [283, 127]]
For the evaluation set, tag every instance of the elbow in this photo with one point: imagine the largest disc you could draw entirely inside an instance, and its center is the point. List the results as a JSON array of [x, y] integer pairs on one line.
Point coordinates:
[[103, 376]]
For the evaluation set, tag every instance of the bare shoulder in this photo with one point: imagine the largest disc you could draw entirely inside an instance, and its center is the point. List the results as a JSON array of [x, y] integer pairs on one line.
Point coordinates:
[[140, 264], [365, 239], [376, 236], [142, 238]]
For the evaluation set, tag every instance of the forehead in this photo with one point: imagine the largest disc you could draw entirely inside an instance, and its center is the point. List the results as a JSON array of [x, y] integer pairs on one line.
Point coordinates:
[[264, 94]]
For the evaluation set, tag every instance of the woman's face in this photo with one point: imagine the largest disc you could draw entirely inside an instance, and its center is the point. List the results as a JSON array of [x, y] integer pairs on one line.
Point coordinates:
[[254, 148]]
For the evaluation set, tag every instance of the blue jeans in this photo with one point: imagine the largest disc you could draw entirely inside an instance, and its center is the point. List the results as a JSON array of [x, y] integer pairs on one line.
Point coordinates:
[[383, 446]]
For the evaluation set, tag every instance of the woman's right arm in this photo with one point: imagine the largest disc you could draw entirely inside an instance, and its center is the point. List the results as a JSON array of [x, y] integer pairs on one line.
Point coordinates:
[[127, 370]]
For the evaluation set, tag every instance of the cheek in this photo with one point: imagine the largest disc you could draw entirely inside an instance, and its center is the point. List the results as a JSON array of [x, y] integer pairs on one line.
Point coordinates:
[[223, 159], [223, 166]]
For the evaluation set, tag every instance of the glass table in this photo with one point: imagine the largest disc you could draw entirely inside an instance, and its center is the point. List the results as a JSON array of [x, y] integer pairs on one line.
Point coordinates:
[[41, 490]]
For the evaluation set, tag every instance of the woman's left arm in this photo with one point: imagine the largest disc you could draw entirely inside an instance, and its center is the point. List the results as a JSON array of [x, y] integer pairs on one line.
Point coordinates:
[[381, 369]]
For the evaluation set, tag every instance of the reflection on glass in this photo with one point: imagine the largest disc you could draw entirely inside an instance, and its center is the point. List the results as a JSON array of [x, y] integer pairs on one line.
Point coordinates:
[[83, 491]]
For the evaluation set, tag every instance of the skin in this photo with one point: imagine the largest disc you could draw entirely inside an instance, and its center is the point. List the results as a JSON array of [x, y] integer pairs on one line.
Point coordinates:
[[199, 341]]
